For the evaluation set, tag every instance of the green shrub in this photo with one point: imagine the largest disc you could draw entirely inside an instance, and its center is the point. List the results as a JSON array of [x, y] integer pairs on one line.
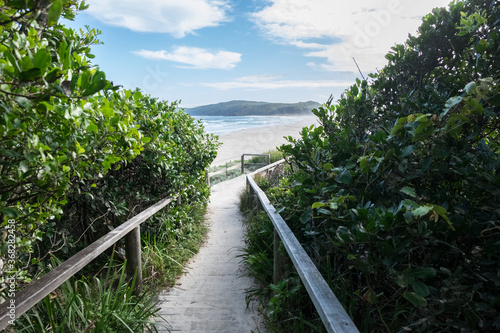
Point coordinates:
[[79, 155], [399, 186]]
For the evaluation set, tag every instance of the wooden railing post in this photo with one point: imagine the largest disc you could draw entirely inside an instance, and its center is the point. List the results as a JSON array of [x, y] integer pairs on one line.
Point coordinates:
[[133, 253], [243, 163]]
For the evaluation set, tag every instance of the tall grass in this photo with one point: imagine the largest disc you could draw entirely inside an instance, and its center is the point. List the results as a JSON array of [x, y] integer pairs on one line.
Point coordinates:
[[221, 177], [274, 156], [96, 304]]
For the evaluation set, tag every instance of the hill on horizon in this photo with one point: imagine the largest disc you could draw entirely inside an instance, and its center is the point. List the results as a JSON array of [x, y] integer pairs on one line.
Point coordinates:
[[250, 108]]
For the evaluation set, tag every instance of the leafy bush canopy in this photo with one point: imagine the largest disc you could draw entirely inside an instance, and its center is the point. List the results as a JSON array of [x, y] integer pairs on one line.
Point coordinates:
[[78, 154], [400, 186]]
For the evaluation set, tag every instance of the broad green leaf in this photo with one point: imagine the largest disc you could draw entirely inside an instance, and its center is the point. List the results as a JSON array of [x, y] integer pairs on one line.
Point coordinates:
[[42, 59], [441, 211], [106, 165], [23, 166], [327, 166], [318, 205], [95, 87], [414, 299], [324, 211], [53, 75], [450, 103], [398, 127], [30, 74], [426, 163], [420, 272], [408, 150], [422, 210], [137, 95], [107, 112], [23, 101], [409, 191], [344, 234], [55, 12], [10, 212], [306, 216], [92, 128], [378, 137], [363, 164], [345, 177], [75, 111], [420, 288], [424, 130]]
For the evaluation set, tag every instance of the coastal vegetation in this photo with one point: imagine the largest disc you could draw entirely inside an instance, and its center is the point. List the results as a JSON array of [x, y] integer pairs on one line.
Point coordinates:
[[249, 108], [396, 195], [79, 156]]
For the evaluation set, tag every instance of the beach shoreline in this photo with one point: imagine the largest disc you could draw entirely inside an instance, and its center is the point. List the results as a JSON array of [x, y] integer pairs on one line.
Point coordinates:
[[258, 140]]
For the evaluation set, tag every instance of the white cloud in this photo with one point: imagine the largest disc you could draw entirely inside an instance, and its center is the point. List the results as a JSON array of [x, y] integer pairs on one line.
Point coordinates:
[[274, 82], [195, 57], [338, 30], [174, 17]]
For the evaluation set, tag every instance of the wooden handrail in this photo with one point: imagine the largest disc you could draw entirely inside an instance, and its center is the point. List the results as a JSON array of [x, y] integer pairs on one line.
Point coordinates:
[[26, 298], [268, 156], [332, 313]]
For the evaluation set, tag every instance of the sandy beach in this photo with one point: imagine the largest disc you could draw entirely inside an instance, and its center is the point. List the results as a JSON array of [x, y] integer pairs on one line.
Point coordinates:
[[258, 140]]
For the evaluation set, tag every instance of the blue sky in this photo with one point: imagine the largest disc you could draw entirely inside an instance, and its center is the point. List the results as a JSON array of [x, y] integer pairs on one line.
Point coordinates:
[[209, 51]]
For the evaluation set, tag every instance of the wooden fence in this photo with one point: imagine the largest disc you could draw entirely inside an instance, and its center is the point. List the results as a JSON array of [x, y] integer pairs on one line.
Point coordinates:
[[334, 317], [26, 298], [243, 160]]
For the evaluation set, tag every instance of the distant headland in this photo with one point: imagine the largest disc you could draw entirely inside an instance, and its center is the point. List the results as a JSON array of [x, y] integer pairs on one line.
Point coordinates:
[[249, 108]]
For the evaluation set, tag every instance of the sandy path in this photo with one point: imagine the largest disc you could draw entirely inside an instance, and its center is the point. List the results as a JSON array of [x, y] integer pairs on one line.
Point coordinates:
[[210, 296], [258, 140]]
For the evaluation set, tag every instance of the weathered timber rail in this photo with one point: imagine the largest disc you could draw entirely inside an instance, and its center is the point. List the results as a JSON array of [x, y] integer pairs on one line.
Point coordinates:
[[334, 317], [27, 298]]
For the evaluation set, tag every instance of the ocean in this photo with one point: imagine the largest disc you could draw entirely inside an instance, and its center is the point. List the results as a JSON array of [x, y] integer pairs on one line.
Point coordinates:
[[223, 125]]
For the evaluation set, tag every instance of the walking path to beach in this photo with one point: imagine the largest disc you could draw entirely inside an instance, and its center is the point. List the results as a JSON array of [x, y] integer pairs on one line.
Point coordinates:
[[210, 296]]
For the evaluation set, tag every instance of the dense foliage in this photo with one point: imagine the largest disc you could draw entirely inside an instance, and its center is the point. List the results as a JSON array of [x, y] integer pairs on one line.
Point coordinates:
[[397, 195], [78, 154]]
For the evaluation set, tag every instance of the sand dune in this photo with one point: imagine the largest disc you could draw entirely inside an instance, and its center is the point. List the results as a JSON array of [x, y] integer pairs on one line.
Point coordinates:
[[258, 140]]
